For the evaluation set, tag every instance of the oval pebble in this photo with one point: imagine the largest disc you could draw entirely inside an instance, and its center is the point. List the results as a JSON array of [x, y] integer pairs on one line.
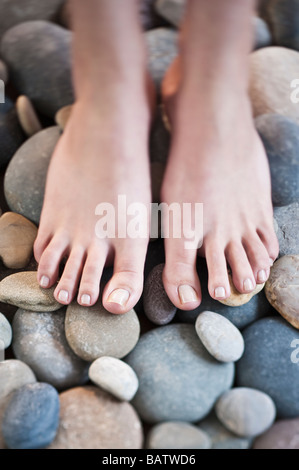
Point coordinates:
[[245, 411], [284, 434], [236, 299], [92, 419], [177, 435], [220, 337], [5, 332], [221, 437], [13, 374], [27, 116], [114, 376], [287, 229], [31, 418]]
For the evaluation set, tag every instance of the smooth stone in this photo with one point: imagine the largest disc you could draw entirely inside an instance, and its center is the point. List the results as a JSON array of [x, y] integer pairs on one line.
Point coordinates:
[[287, 230], [178, 379], [93, 332], [262, 34], [177, 435], [25, 177], [22, 290], [39, 340], [220, 337], [38, 54], [114, 376], [3, 72], [172, 10], [62, 116], [245, 411], [283, 18], [237, 299], [270, 363], [284, 434], [282, 288], [280, 136], [27, 116], [92, 419], [157, 174], [11, 134], [13, 375], [157, 306], [17, 235], [5, 332], [271, 72], [221, 437], [31, 418], [162, 49]]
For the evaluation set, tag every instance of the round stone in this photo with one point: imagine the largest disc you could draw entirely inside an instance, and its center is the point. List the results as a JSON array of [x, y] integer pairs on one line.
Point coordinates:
[[177, 435], [280, 136], [22, 290], [220, 337], [11, 134], [283, 18], [236, 298], [270, 363], [245, 411], [282, 288], [5, 332], [25, 177], [284, 434], [262, 35], [114, 376], [178, 379], [27, 116], [31, 418], [92, 419], [93, 332], [271, 72], [13, 375], [62, 116], [221, 437], [157, 306], [287, 228], [39, 340], [3, 72]]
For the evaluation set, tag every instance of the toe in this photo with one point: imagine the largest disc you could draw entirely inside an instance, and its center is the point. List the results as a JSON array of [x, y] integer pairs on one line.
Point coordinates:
[[258, 257], [91, 275], [66, 288], [218, 285], [41, 242], [269, 239], [49, 261], [242, 274]]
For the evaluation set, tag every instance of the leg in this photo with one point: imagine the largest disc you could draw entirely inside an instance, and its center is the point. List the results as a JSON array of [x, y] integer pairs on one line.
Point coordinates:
[[102, 154], [216, 149]]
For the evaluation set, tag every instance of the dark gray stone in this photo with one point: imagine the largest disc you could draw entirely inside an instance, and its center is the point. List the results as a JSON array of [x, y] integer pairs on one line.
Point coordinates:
[[262, 35], [11, 134], [283, 18], [287, 229]]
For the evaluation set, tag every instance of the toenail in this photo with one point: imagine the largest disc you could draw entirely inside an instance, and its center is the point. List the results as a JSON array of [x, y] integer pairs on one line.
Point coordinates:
[[45, 281], [119, 296], [220, 293], [262, 276], [85, 299], [63, 296], [248, 285], [187, 294]]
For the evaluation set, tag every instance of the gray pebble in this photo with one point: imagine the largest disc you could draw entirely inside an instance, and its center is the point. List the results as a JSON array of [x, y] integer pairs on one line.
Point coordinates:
[[177, 435], [5, 332], [287, 229], [221, 437], [262, 34]]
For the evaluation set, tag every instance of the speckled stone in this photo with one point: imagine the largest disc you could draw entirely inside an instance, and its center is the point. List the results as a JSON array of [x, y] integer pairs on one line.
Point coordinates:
[[282, 288], [287, 228], [221, 437], [177, 435], [157, 306], [5, 332], [283, 18], [22, 290], [262, 35], [11, 134], [92, 419], [27, 116], [284, 434]]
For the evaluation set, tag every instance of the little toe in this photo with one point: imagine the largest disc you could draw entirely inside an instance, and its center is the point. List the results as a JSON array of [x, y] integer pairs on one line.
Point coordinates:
[[50, 259], [218, 285], [91, 276], [242, 275], [66, 288]]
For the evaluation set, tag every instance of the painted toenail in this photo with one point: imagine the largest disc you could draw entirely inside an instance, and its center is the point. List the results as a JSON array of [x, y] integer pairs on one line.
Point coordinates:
[[248, 285], [187, 294], [119, 296], [85, 299], [63, 296], [220, 293], [262, 276], [45, 281]]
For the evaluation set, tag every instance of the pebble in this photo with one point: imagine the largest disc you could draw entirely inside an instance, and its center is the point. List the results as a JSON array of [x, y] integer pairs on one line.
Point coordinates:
[[5, 332], [262, 35], [38, 54], [287, 228], [284, 434], [271, 71], [62, 116], [245, 411], [282, 288], [157, 306], [25, 177], [17, 235], [93, 332], [11, 134], [270, 363], [280, 136], [236, 298], [92, 419], [177, 435], [31, 418], [221, 437], [178, 379], [283, 18], [220, 337], [3, 72], [39, 340], [13, 375], [27, 116], [114, 376], [22, 290], [171, 10]]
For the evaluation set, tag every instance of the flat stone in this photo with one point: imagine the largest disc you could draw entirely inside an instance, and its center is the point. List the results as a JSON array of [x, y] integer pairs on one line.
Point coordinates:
[[284, 434], [282, 288], [13, 375], [25, 177], [17, 235], [245, 411], [262, 34], [11, 134], [177, 435], [171, 10], [31, 418], [92, 419], [3, 72], [287, 228], [39, 340], [270, 363], [5, 332], [62, 116], [283, 18], [220, 337], [221, 437], [236, 298], [178, 379], [94, 332], [27, 116]]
